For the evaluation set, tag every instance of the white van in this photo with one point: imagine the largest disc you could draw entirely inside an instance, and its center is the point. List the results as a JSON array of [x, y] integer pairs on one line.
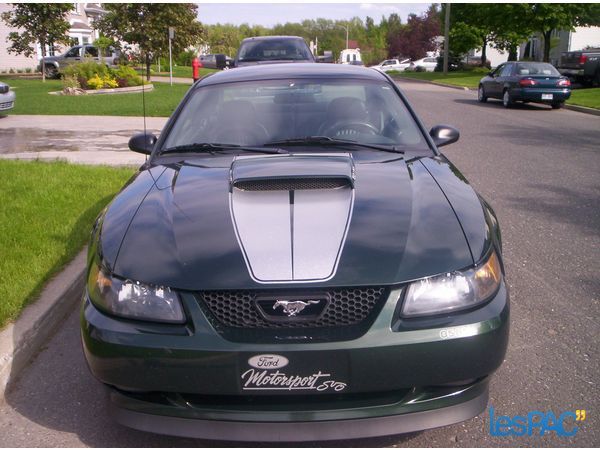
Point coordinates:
[[349, 55]]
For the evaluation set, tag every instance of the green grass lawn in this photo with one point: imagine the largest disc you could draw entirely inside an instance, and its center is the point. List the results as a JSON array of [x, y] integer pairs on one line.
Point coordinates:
[[179, 71], [464, 79], [46, 217], [33, 98], [585, 97]]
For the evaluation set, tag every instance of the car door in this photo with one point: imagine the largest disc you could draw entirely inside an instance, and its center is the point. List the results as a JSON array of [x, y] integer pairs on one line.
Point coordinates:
[[73, 56], [91, 53], [504, 78], [490, 83], [430, 64]]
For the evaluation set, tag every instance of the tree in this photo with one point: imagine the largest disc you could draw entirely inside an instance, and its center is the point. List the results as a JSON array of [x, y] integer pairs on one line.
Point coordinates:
[[416, 38], [147, 25], [102, 44], [546, 17], [43, 23]]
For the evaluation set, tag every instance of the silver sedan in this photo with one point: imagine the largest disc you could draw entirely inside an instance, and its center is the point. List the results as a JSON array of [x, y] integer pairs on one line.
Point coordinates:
[[7, 97]]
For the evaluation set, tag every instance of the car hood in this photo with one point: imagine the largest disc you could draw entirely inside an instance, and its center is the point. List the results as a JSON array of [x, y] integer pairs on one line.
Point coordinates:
[[299, 220]]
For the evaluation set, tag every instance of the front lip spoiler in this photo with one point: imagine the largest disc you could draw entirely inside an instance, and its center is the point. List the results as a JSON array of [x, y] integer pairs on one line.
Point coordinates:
[[301, 431]]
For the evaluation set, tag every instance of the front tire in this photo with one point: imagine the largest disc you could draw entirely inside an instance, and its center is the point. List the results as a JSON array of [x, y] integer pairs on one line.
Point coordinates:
[[481, 97], [557, 105], [51, 71], [507, 100]]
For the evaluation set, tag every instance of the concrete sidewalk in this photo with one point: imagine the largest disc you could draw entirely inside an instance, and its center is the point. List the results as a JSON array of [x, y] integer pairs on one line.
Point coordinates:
[[77, 139], [176, 80]]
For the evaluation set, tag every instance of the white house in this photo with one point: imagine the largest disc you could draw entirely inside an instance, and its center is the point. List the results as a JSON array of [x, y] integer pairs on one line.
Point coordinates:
[[81, 19]]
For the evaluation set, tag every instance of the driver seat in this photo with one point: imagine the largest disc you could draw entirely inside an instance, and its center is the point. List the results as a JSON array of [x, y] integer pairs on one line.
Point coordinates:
[[344, 109]]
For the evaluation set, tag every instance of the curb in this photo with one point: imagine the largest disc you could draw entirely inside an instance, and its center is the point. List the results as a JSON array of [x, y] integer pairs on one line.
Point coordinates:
[[451, 86], [582, 109], [125, 90], [20, 341]]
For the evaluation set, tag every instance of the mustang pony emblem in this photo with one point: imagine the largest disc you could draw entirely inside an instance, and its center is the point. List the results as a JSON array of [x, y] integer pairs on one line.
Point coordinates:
[[293, 307]]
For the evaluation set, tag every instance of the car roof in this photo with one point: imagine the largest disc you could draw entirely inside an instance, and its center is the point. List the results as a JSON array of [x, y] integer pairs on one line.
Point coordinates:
[[270, 38], [292, 70]]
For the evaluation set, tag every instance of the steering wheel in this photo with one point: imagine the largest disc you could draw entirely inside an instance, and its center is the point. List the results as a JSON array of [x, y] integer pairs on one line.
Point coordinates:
[[242, 135], [345, 129]]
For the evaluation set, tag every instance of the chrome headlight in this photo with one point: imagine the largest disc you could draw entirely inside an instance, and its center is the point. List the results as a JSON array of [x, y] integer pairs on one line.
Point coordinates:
[[453, 291], [132, 299]]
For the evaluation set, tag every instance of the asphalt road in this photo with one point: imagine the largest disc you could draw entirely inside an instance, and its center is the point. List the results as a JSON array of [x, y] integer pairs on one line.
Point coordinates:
[[540, 170]]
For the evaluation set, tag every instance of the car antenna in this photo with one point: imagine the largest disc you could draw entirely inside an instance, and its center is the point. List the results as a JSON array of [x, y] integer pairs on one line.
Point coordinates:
[[144, 107]]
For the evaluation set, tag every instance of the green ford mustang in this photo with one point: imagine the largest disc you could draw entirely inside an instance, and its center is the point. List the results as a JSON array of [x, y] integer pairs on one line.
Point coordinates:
[[295, 261]]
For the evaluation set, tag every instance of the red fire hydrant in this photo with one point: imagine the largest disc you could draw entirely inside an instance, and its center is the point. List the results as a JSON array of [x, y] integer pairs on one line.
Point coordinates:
[[196, 64]]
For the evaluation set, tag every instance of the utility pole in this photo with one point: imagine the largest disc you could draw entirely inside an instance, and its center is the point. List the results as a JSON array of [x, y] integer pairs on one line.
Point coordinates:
[[347, 29], [171, 37], [446, 38]]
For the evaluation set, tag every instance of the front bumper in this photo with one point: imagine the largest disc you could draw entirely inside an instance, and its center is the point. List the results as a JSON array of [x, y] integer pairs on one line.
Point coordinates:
[[418, 410], [7, 101], [400, 376]]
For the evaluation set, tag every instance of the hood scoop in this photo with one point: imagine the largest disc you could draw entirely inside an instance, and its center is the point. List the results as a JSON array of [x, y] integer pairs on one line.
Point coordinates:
[[291, 184], [291, 214], [292, 172]]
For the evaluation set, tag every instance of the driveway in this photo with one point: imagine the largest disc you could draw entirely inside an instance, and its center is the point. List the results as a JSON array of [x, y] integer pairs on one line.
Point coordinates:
[[77, 139], [540, 171]]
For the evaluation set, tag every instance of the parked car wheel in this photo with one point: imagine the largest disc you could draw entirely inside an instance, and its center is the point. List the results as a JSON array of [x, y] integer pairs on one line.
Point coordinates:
[[51, 71], [481, 94], [507, 100], [557, 105]]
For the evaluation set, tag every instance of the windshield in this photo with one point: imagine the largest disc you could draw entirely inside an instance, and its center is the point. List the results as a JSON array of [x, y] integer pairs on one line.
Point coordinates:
[[536, 69], [274, 49], [255, 113]]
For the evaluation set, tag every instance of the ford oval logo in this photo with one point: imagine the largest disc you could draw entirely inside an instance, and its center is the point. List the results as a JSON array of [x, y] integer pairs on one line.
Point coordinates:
[[268, 361]]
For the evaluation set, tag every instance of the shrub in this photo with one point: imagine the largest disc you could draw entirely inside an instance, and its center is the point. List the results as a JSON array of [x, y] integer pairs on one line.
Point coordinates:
[[86, 70], [95, 82], [71, 82], [127, 76], [105, 82], [11, 70], [20, 70], [184, 58], [420, 69], [28, 70]]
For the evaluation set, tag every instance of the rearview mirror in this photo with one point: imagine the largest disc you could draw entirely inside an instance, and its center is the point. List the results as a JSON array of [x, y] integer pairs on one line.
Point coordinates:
[[142, 143], [444, 135]]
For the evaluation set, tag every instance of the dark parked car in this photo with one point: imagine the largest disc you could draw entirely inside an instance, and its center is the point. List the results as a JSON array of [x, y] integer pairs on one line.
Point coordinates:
[[273, 49], [217, 61], [527, 82], [582, 66], [295, 261]]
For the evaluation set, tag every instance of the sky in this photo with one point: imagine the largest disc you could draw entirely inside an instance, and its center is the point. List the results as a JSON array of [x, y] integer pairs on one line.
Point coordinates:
[[269, 14]]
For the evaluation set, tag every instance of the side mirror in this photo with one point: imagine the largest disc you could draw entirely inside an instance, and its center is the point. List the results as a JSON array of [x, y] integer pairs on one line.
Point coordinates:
[[444, 135], [142, 143]]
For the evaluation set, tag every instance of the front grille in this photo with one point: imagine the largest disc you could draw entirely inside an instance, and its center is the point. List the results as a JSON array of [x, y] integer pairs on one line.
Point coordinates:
[[6, 105], [346, 308], [291, 184]]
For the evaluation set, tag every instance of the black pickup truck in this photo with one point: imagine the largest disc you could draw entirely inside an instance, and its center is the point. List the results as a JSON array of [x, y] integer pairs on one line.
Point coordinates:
[[582, 66]]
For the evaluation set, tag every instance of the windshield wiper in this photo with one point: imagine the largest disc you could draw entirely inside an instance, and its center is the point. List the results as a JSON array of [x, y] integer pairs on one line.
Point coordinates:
[[212, 147], [328, 141]]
